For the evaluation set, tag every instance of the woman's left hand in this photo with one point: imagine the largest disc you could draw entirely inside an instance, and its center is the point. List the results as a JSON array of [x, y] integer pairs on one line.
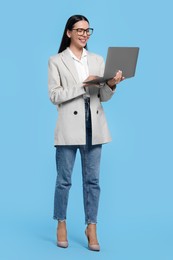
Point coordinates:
[[116, 79]]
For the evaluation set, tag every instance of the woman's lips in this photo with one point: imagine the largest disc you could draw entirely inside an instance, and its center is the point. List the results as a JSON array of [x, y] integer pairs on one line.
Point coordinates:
[[83, 40]]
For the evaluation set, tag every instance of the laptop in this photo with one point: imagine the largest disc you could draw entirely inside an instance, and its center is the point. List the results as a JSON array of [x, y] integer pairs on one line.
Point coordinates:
[[119, 58]]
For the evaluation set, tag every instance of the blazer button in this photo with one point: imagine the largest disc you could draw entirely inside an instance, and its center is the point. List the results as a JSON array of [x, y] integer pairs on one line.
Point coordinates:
[[97, 111], [75, 113], [98, 95]]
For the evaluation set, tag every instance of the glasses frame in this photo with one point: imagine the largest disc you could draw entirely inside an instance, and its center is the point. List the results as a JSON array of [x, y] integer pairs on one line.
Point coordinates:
[[89, 31]]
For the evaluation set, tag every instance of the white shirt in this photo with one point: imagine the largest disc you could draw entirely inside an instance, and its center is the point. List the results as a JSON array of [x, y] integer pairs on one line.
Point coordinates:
[[81, 66]]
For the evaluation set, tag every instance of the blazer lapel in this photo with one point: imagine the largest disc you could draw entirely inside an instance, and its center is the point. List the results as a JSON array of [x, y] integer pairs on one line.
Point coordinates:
[[90, 64], [69, 63]]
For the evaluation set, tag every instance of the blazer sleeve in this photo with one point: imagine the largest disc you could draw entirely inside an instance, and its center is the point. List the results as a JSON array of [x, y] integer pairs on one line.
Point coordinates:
[[57, 92], [106, 92]]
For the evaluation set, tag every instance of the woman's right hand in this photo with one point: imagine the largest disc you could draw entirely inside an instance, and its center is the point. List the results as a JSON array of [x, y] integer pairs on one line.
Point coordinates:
[[91, 77]]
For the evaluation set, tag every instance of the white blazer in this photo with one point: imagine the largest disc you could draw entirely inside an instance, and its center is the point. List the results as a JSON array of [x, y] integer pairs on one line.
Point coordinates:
[[66, 92]]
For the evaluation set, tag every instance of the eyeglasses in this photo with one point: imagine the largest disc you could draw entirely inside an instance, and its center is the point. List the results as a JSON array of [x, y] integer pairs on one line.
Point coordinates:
[[81, 31]]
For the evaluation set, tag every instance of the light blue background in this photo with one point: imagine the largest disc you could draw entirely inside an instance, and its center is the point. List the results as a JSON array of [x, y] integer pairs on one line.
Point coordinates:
[[136, 212]]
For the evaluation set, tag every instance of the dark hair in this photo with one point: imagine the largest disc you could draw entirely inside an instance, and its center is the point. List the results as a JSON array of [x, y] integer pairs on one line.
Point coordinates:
[[65, 42]]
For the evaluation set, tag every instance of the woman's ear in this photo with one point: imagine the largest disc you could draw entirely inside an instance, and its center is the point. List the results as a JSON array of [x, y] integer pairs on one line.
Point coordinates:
[[68, 33]]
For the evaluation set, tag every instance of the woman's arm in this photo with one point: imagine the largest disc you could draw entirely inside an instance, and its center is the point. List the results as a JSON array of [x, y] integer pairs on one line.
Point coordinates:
[[108, 89], [58, 93], [105, 91]]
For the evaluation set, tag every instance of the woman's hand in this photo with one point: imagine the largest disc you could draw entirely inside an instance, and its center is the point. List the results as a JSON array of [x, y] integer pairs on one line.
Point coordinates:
[[115, 80], [91, 77]]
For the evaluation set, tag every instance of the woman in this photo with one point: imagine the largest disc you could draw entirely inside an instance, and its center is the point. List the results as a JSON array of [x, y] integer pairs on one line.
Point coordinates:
[[81, 122]]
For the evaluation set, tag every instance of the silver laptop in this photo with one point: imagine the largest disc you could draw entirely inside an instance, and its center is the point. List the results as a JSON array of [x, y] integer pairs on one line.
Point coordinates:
[[119, 58]]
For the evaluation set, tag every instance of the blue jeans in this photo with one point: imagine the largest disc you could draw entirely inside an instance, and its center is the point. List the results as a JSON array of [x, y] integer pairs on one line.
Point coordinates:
[[90, 159]]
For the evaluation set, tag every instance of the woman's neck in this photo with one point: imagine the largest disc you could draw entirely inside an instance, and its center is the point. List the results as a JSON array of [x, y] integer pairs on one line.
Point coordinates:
[[76, 51]]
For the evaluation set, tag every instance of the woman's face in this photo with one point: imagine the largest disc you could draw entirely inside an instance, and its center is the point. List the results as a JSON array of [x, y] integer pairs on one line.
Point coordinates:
[[78, 36]]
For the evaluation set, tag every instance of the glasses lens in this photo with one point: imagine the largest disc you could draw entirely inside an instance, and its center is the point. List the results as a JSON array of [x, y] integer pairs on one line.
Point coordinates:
[[80, 31], [89, 31]]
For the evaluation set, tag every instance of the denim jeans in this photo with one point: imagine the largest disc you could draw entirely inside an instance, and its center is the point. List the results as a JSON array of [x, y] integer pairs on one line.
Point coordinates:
[[90, 159]]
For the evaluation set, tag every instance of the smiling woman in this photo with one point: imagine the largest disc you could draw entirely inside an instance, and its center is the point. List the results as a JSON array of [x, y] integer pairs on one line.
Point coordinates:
[[81, 124], [79, 36], [71, 25]]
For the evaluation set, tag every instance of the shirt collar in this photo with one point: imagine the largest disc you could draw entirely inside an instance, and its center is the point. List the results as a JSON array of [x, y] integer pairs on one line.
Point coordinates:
[[84, 54]]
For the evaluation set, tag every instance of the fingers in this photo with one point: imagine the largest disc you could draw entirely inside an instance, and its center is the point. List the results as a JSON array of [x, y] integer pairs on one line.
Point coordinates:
[[91, 77], [86, 83], [118, 77]]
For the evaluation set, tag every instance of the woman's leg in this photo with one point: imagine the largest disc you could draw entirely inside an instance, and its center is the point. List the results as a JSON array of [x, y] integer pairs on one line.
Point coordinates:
[[90, 157], [65, 158]]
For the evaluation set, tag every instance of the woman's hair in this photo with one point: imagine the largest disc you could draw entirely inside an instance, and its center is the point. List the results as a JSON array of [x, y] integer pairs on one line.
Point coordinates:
[[65, 42]]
